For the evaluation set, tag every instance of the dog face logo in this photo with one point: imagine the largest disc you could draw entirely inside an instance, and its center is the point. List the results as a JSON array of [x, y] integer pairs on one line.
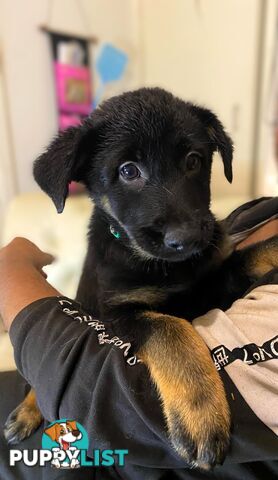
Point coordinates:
[[65, 442], [64, 433]]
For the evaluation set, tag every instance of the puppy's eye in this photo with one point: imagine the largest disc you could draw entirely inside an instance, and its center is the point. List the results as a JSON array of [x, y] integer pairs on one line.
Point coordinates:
[[129, 171], [193, 162]]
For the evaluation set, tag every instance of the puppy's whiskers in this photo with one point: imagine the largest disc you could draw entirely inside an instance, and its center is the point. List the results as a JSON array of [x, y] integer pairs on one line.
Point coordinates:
[[159, 186], [169, 191]]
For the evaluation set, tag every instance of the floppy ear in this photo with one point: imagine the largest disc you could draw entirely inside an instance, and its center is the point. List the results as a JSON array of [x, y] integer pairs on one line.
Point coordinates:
[[221, 140], [63, 161], [72, 424], [51, 431]]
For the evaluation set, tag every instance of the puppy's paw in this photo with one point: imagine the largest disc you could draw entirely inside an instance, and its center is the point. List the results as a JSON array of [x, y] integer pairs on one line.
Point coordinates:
[[199, 424], [22, 421], [191, 391], [199, 439]]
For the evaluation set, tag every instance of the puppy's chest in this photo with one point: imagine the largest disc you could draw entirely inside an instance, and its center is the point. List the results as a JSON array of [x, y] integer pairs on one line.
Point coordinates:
[[113, 282], [175, 292]]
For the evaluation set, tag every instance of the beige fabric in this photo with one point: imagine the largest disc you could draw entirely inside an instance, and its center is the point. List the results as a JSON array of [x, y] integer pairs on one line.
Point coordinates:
[[253, 319]]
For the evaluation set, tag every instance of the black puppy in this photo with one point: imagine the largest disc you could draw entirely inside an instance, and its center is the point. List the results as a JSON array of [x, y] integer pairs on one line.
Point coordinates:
[[155, 250]]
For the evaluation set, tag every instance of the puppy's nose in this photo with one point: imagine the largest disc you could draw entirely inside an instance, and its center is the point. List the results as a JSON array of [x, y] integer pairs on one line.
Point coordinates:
[[75, 433], [177, 239]]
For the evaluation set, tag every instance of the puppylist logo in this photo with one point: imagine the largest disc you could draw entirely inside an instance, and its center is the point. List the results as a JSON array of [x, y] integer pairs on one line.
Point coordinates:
[[66, 440], [64, 445]]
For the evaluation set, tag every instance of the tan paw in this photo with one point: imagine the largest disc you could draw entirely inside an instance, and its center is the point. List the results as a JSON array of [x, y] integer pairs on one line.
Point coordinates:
[[23, 421]]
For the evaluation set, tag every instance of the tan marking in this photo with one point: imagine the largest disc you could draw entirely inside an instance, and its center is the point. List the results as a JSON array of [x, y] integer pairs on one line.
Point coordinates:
[[29, 411], [28, 416], [263, 257], [189, 385], [148, 295], [107, 206]]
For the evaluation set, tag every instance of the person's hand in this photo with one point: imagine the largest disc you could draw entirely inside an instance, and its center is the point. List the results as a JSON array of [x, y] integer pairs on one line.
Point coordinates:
[[22, 279], [22, 252]]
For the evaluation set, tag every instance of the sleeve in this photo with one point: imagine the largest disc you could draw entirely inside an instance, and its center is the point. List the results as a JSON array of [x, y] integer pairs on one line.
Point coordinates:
[[243, 342], [82, 371], [249, 217]]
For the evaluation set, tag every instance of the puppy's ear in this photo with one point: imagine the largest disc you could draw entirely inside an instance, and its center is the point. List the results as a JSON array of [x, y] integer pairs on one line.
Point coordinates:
[[72, 424], [219, 138], [52, 432], [63, 161]]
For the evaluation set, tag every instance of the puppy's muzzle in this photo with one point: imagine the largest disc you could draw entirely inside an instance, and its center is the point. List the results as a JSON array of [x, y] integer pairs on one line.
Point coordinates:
[[186, 237], [178, 239]]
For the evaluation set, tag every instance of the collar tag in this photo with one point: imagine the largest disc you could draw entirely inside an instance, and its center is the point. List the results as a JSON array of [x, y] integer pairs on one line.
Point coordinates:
[[114, 232]]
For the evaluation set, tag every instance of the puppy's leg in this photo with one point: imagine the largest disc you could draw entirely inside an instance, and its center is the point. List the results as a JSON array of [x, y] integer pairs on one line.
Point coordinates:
[[270, 278], [239, 274], [24, 420], [262, 257], [191, 391]]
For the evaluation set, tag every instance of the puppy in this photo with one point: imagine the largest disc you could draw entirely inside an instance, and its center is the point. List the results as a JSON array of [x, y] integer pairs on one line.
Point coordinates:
[[157, 257]]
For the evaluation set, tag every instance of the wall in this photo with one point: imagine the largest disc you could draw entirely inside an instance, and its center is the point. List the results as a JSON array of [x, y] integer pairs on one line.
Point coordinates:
[[207, 52], [8, 185], [266, 173], [28, 69]]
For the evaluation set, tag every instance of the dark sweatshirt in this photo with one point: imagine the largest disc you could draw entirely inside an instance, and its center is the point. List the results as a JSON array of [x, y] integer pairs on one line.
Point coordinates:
[[81, 370]]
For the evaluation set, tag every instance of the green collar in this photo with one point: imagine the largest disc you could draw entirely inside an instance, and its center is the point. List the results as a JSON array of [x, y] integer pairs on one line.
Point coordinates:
[[114, 232]]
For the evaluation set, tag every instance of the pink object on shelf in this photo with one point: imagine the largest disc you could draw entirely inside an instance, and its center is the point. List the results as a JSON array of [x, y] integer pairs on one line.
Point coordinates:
[[68, 120], [73, 88]]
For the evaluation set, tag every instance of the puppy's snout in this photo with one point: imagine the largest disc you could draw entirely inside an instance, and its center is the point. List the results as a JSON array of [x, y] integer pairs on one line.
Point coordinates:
[[75, 433], [179, 238]]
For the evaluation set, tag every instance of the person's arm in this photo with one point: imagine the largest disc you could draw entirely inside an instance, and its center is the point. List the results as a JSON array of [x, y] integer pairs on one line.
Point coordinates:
[[22, 280]]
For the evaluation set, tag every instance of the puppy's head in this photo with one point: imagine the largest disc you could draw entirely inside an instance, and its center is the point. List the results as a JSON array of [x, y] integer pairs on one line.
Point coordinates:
[[64, 432], [145, 158]]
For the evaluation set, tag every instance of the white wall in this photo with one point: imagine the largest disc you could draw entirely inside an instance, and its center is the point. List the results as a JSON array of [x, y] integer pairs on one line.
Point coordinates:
[[8, 185], [207, 52], [28, 69], [266, 175]]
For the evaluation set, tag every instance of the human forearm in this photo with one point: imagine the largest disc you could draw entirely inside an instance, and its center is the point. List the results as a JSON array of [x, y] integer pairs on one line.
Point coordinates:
[[22, 280]]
